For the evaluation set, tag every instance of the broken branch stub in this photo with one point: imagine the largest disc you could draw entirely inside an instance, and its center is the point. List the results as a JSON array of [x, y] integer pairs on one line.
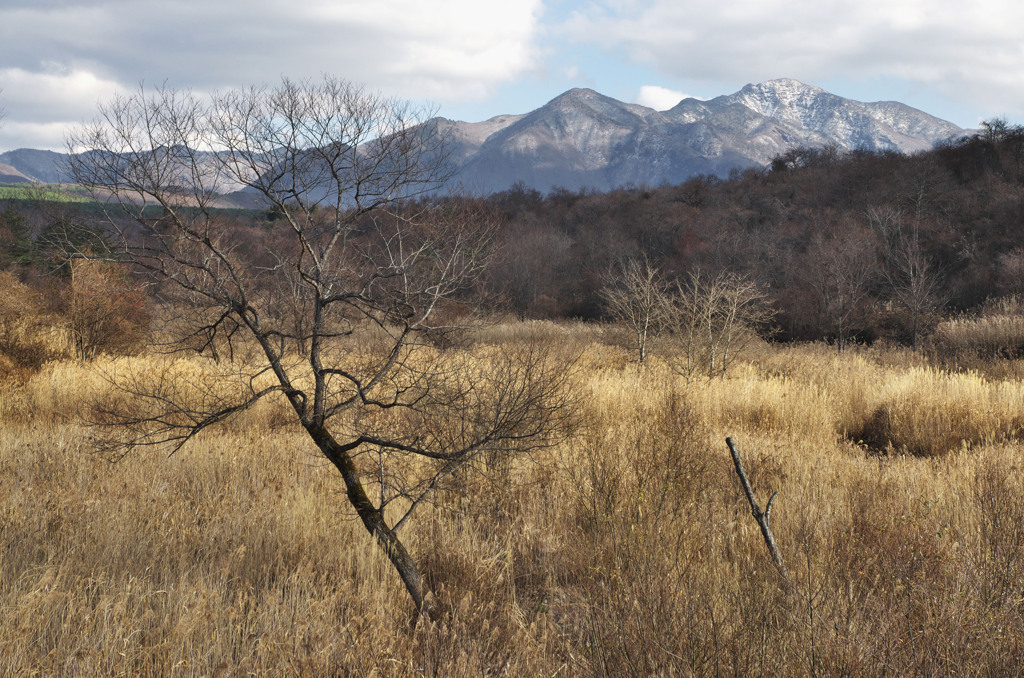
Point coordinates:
[[763, 518]]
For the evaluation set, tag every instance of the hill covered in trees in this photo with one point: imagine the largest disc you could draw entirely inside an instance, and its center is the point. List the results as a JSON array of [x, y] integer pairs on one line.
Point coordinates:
[[880, 239], [870, 244]]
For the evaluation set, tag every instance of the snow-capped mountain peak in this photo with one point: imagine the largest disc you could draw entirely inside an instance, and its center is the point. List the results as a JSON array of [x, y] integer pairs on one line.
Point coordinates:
[[584, 139]]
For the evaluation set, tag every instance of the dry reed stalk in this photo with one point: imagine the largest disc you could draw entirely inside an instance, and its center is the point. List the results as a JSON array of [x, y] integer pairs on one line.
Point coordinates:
[[638, 557]]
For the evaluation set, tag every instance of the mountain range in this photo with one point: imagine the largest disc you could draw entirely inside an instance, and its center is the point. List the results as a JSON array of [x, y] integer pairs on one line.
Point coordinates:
[[583, 139]]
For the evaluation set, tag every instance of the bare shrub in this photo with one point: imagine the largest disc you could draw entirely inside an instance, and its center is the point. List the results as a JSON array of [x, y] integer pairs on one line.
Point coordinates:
[[714, 319], [637, 297], [106, 310]]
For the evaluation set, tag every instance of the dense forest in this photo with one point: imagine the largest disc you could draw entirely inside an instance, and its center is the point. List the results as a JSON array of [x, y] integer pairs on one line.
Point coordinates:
[[873, 246], [895, 235]]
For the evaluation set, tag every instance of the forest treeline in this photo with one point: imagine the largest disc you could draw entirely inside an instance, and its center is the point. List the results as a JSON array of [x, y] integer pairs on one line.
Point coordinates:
[[887, 240], [857, 245]]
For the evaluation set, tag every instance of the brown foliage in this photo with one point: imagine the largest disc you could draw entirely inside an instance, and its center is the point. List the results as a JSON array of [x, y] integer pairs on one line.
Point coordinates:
[[29, 333], [107, 311]]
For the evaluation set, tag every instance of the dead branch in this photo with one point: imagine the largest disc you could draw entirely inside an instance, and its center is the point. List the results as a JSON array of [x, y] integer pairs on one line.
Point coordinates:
[[762, 517]]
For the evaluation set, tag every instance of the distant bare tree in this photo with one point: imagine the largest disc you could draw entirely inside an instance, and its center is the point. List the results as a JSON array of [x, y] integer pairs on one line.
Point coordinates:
[[841, 267], [365, 268], [714, 318], [910, 276], [638, 297]]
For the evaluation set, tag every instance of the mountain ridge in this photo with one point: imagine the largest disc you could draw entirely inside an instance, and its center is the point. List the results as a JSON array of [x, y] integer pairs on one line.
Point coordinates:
[[585, 139], [582, 138]]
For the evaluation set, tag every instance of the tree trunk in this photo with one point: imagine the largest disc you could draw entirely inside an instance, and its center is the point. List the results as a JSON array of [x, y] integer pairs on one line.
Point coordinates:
[[374, 522]]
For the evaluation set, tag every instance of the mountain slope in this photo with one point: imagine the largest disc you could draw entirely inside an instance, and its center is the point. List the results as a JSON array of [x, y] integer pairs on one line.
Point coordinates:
[[583, 139], [761, 121], [10, 175], [35, 165]]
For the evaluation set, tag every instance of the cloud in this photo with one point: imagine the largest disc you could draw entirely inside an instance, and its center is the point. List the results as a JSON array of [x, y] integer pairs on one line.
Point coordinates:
[[41, 105], [659, 98], [230, 42], [54, 93], [46, 136], [961, 51], [448, 50]]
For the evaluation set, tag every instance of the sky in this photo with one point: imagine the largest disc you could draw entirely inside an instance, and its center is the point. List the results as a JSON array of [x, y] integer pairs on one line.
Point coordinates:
[[474, 59]]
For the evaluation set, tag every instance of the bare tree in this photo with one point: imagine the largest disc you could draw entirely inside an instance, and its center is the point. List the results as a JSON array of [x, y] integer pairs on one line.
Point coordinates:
[[841, 268], [396, 416], [911, 277], [637, 296], [714, 319]]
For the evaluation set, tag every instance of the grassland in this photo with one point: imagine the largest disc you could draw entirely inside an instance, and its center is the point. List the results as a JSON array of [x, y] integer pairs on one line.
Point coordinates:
[[629, 550], [43, 193]]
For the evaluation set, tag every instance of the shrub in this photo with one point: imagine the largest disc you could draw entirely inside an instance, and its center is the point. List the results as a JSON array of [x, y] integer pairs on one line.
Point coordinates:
[[29, 334]]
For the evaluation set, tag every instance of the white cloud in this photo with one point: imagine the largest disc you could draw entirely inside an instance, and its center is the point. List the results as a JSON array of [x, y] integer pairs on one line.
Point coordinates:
[[385, 44], [45, 136], [53, 93], [659, 98], [59, 56], [962, 51]]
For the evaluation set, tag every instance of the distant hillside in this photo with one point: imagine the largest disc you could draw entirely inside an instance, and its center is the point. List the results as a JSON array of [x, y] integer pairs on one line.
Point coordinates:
[[583, 139], [34, 165], [9, 175]]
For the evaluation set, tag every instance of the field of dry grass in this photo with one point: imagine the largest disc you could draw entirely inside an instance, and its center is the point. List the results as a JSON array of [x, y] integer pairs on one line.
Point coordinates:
[[628, 550]]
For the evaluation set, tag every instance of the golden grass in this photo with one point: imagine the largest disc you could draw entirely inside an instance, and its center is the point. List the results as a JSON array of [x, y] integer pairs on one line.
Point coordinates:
[[628, 550], [29, 335], [998, 335]]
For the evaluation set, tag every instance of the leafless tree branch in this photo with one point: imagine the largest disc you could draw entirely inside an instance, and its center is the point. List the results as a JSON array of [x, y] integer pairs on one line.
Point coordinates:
[[340, 315]]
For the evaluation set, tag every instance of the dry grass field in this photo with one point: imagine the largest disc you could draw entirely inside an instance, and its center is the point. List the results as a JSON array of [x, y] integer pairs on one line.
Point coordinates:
[[628, 550]]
